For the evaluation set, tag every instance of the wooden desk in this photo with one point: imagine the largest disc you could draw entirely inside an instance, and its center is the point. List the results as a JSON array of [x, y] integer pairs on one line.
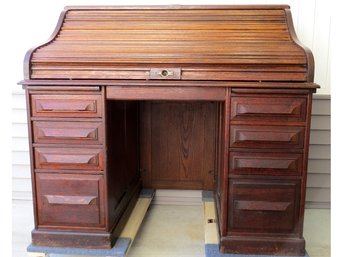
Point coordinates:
[[184, 97]]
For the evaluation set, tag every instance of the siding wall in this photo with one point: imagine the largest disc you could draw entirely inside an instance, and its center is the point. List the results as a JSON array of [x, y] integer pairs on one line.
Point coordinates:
[[312, 23]]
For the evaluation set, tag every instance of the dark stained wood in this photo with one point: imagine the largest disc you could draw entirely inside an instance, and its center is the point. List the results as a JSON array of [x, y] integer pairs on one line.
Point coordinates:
[[117, 42], [66, 105], [59, 132], [181, 142], [263, 206], [268, 108], [57, 238], [240, 87], [69, 158], [251, 244], [163, 93], [254, 136], [122, 156], [70, 200], [191, 97], [266, 163]]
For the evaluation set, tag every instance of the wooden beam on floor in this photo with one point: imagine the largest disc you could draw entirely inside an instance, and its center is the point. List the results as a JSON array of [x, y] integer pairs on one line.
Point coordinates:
[[210, 222]]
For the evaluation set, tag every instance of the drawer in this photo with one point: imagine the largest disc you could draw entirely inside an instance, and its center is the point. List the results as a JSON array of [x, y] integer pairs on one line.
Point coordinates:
[[66, 105], [56, 132], [70, 200], [263, 206], [69, 158], [246, 136], [264, 108], [278, 164]]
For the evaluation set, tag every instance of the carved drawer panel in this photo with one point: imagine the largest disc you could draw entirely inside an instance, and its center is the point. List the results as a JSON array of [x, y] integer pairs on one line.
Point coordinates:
[[70, 200], [66, 105], [266, 136], [261, 163], [69, 158], [68, 132], [275, 108], [265, 206]]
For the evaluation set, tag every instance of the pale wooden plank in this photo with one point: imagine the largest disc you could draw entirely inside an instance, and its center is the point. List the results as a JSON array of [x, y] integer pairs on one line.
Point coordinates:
[[211, 232], [33, 254], [135, 220]]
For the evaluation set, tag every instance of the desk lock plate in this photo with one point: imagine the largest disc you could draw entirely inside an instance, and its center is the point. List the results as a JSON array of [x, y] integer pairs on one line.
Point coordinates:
[[165, 73]]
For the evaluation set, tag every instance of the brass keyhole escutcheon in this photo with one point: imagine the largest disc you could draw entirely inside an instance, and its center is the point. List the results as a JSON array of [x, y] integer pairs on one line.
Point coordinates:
[[164, 73]]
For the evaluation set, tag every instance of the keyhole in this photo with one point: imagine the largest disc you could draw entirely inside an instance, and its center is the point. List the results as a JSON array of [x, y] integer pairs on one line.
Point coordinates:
[[164, 73]]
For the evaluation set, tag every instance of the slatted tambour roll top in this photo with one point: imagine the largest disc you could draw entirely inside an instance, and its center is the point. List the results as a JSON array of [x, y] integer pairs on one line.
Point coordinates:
[[234, 43]]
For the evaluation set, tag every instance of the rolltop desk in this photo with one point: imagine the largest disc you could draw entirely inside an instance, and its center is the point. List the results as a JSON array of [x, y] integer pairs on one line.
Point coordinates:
[[182, 97]]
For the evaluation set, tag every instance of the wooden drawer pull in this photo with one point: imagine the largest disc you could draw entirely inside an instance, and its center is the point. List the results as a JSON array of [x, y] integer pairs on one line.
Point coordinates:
[[61, 106], [67, 132], [69, 158], [72, 200], [261, 206]]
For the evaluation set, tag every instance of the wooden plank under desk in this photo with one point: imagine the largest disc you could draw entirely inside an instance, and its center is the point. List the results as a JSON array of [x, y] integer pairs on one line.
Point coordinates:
[[164, 93]]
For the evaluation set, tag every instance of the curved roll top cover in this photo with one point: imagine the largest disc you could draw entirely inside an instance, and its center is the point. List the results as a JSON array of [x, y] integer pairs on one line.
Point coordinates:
[[244, 43]]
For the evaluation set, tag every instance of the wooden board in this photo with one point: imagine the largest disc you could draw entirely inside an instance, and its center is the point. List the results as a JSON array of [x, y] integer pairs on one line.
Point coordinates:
[[178, 144]]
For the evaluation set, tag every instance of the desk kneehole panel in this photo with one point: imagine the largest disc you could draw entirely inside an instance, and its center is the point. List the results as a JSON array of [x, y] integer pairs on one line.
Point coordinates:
[[70, 200]]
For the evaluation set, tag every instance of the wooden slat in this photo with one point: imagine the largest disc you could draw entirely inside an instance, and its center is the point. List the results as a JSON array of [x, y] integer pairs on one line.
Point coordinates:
[[176, 36]]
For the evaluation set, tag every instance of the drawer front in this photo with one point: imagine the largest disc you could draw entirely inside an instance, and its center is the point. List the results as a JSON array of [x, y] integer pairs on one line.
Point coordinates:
[[69, 158], [67, 132], [278, 164], [70, 200], [266, 136], [276, 108], [66, 106], [263, 206]]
